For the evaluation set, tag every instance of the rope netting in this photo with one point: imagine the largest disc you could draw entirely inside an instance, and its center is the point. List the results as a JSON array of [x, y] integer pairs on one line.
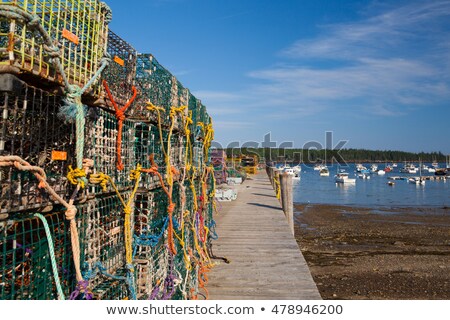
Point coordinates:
[[105, 200]]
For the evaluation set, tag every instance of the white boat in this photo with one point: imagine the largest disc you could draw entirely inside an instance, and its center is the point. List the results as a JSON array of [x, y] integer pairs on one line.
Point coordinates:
[[374, 168], [409, 168], [360, 168], [435, 164], [431, 170], [318, 167], [324, 172], [289, 171], [394, 165], [381, 172], [297, 169], [364, 176], [417, 180], [342, 177]]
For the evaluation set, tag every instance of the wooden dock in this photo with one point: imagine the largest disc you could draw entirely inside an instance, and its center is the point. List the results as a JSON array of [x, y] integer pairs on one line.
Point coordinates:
[[266, 262]]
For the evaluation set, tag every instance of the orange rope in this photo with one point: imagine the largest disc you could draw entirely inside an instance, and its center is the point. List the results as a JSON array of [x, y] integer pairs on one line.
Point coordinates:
[[170, 208], [120, 116]]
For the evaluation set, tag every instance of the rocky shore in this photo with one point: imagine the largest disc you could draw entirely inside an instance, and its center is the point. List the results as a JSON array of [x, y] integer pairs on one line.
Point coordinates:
[[366, 253]]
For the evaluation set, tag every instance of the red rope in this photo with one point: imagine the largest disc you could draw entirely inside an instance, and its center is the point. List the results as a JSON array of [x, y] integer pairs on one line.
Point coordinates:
[[120, 116]]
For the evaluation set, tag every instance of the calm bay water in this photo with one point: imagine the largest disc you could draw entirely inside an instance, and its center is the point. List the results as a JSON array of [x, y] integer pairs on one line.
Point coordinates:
[[374, 192]]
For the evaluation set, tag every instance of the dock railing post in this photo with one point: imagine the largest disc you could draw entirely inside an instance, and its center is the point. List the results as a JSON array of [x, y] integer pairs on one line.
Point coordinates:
[[287, 202], [275, 178], [269, 171]]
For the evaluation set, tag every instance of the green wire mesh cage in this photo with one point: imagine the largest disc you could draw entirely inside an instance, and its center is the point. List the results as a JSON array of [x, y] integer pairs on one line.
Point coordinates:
[[161, 274], [30, 128], [101, 226], [79, 27], [120, 73], [159, 87], [25, 260]]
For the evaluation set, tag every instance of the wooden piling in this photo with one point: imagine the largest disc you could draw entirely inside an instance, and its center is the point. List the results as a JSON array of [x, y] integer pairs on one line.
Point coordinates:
[[287, 202]]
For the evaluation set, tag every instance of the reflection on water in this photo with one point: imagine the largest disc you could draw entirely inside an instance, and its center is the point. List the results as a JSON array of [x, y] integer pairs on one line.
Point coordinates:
[[312, 188]]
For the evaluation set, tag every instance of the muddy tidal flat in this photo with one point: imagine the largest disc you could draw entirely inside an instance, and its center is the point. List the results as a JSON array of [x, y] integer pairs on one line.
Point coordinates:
[[366, 253]]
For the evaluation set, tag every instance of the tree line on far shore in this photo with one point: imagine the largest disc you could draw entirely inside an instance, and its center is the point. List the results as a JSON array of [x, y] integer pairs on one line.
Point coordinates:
[[343, 155]]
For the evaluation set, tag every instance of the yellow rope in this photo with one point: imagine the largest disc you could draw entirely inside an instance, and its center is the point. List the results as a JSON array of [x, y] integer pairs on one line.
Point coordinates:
[[75, 176], [102, 179], [277, 187], [152, 107]]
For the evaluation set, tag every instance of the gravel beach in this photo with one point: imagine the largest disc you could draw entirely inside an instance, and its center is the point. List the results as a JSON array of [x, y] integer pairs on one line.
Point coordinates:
[[366, 253]]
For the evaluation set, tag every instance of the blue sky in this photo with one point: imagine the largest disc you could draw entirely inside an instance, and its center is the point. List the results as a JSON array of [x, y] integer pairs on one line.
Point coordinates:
[[376, 73]]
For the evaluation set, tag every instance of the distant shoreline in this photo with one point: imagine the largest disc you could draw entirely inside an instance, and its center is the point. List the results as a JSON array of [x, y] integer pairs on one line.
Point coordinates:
[[367, 253]]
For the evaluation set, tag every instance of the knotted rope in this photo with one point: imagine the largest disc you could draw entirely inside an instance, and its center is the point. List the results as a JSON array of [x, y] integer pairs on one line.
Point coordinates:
[[120, 116], [71, 210]]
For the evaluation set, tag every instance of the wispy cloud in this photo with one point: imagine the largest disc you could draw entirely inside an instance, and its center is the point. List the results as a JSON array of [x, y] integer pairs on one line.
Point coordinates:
[[382, 65], [392, 29]]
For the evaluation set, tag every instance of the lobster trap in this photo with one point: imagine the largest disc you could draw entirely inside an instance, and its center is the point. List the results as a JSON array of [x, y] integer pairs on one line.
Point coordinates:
[[101, 227], [157, 268], [30, 128], [159, 87], [102, 139], [121, 71], [78, 27], [25, 259], [148, 145]]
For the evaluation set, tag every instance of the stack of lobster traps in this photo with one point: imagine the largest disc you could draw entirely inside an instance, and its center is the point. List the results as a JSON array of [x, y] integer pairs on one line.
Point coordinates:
[[107, 191]]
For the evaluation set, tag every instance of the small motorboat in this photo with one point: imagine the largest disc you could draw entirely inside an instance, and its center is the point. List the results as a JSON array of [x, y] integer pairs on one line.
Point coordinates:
[[342, 177], [391, 183], [324, 172], [417, 181]]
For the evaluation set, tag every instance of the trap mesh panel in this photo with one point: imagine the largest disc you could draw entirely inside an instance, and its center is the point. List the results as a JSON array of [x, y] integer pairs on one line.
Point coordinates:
[[155, 263], [101, 139], [101, 228], [192, 104], [147, 142], [25, 265], [154, 83], [79, 26], [111, 289], [150, 252], [121, 72], [30, 128], [198, 160]]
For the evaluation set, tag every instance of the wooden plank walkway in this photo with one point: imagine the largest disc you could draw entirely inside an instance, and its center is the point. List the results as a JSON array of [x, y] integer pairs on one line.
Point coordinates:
[[254, 235]]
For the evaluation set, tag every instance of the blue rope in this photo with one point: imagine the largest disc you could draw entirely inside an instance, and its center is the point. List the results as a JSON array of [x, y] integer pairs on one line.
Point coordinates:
[[51, 250], [151, 240], [212, 230], [98, 268]]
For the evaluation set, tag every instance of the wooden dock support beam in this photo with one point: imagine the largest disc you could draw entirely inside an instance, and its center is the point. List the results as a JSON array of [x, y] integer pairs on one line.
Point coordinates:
[[287, 201]]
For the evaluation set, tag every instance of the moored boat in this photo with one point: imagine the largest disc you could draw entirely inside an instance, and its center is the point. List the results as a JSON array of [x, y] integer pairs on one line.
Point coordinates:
[[417, 180], [324, 172], [342, 177]]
